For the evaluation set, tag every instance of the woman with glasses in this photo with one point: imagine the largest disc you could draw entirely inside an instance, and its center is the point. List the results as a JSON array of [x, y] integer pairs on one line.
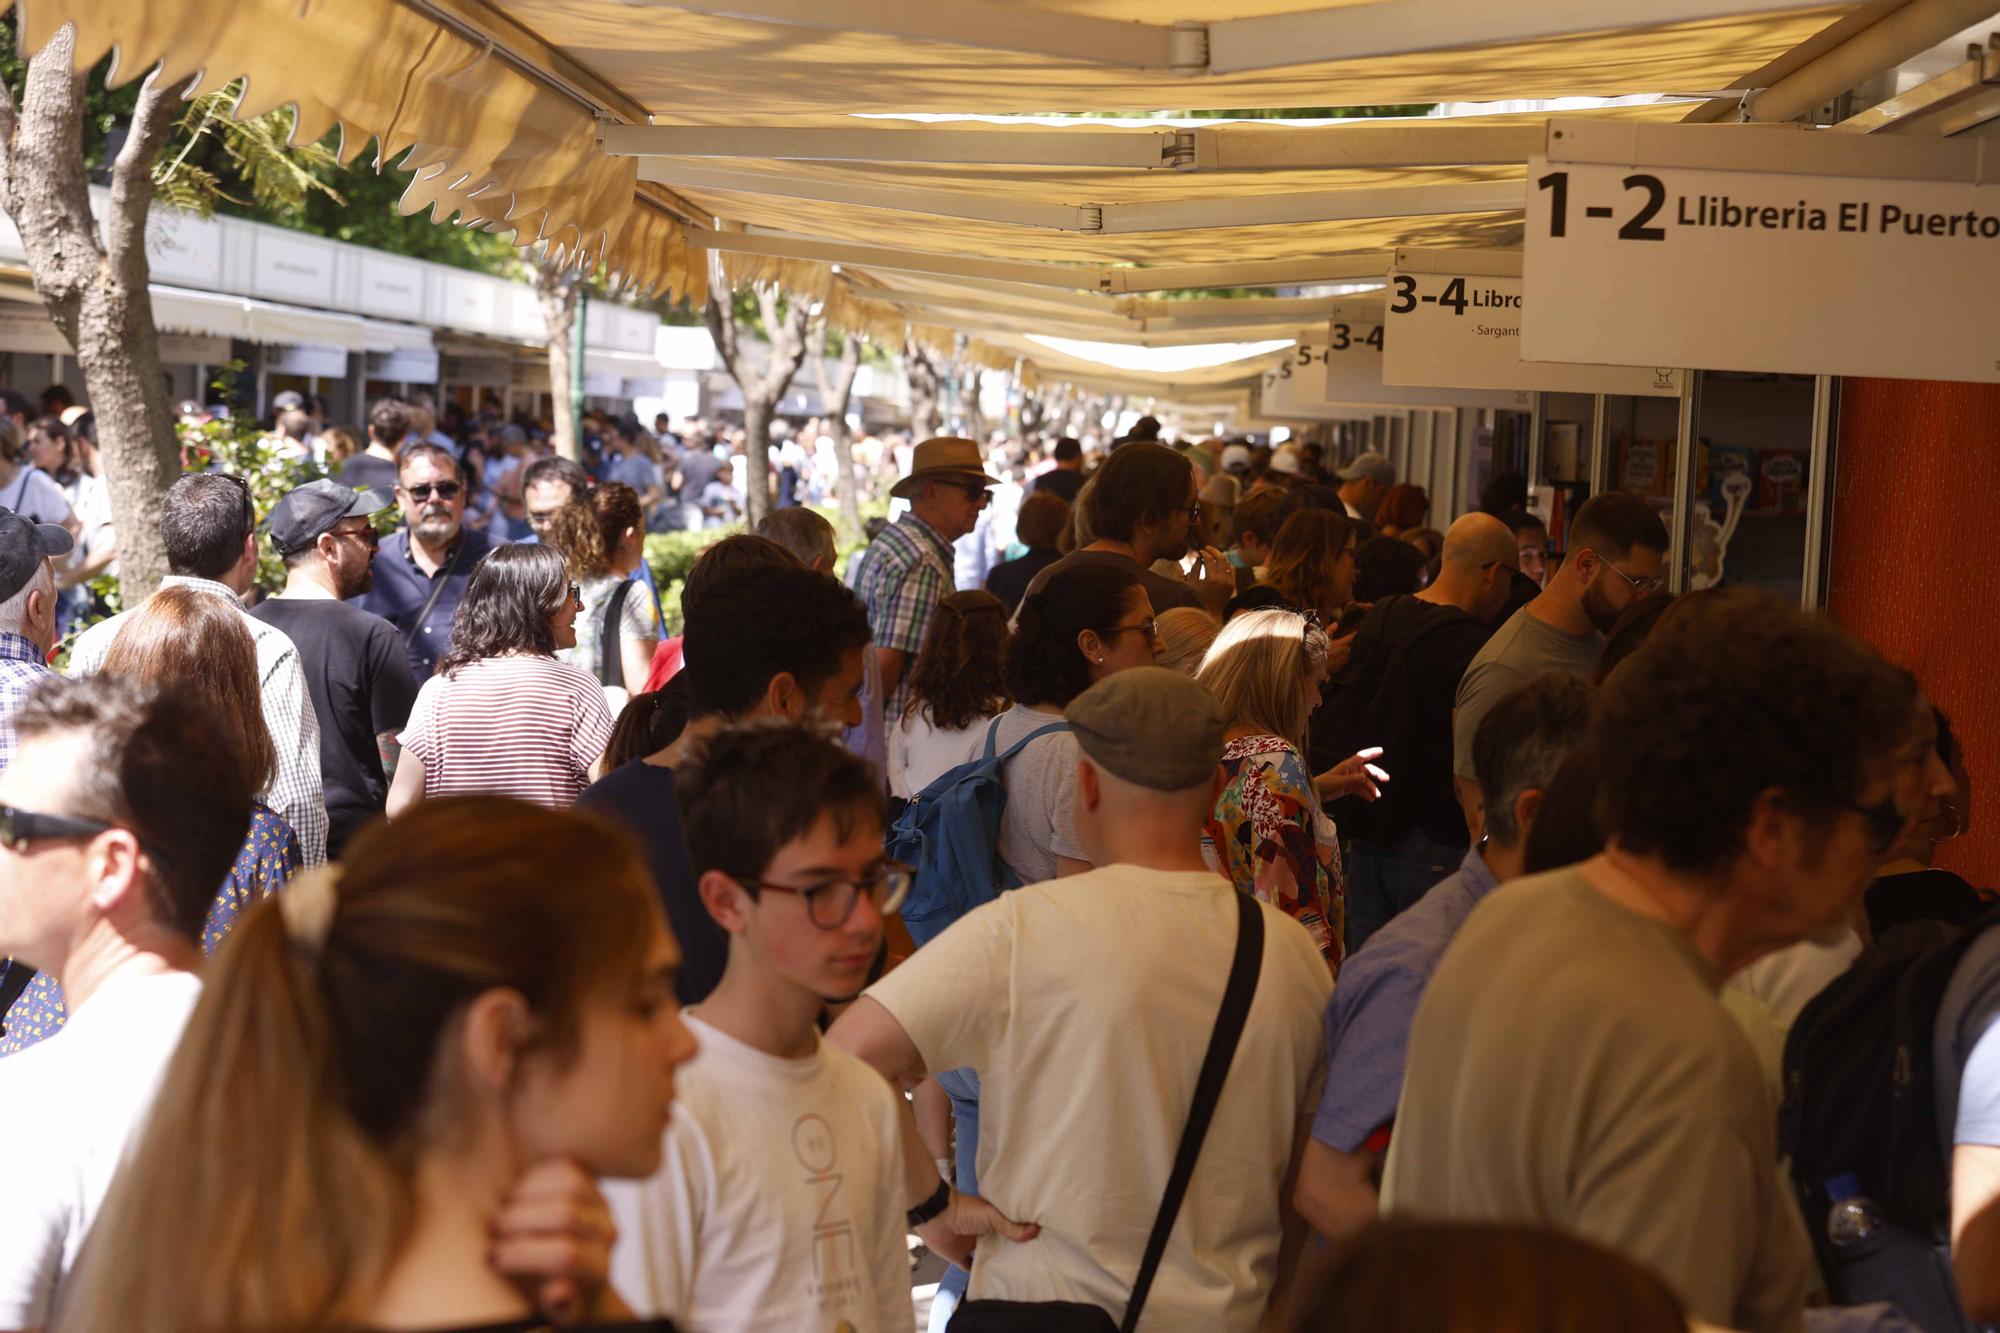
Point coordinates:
[[400, 1072], [502, 715], [1268, 834], [774, 1127], [181, 634]]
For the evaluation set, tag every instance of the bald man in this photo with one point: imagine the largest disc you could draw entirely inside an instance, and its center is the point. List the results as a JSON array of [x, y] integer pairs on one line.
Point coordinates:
[[1396, 692]]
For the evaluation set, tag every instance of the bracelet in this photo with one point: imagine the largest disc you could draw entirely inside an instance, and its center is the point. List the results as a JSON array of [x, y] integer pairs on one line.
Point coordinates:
[[932, 1206]]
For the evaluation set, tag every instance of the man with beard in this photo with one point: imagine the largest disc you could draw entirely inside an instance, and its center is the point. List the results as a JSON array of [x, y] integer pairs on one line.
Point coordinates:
[[1617, 552], [421, 571], [357, 669]]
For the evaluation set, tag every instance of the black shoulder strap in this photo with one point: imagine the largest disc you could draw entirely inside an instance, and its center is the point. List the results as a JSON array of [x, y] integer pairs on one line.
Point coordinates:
[[609, 669], [14, 979], [437, 589], [1236, 997]]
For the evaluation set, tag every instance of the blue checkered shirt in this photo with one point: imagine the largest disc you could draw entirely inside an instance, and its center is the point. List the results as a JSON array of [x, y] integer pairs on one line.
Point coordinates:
[[904, 574], [22, 668]]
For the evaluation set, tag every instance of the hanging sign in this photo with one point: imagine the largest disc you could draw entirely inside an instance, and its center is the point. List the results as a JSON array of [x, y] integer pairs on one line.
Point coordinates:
[[1294, 389], [1354, 362], [1456, 317], [1759, 249]]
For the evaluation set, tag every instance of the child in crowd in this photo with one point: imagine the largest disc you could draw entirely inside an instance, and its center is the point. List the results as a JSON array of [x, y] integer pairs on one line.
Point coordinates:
[[781, 1202]]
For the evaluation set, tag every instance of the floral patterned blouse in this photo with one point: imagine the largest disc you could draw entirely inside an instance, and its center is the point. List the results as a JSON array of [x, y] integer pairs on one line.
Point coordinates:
[[1269, 836], [271, 855]]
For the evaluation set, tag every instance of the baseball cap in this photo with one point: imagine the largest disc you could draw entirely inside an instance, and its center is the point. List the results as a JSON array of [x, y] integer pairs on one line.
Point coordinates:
[[1236, 458], [308, 513], [1286, 461], [1371, 465], [1150, 726], [288, 401], [24, 544]]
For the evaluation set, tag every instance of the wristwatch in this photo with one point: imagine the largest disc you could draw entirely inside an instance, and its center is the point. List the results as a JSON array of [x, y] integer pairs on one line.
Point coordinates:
[[932, 1206]]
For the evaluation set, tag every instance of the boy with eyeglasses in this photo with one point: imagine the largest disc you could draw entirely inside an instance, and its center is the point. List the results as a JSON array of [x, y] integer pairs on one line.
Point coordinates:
[[781, 1201]]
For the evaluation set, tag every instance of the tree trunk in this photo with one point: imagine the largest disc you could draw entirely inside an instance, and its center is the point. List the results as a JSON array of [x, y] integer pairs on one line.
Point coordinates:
[[761, 393], [557, 290], [95, 285], [836, 395], [920, 371]]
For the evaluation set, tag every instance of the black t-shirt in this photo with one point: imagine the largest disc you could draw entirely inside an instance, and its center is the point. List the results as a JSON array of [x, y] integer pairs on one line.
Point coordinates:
[[1419, 758], [358, 674], [1009, 579], [1059, 482], [365, 472], [640, 796], [1921, 895]]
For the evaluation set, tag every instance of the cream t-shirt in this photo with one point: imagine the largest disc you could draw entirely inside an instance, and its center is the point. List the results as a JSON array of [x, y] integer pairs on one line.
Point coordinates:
[[1086, 1005], [780, 1203]]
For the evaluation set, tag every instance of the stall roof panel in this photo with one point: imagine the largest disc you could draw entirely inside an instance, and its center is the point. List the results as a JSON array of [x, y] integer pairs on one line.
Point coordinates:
[[668, 59]]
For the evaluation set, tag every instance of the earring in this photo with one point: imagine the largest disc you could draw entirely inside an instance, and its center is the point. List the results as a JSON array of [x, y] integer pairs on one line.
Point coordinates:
[[1100, 661]]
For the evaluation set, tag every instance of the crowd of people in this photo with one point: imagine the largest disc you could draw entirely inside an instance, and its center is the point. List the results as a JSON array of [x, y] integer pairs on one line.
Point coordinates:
[[1203, 895]]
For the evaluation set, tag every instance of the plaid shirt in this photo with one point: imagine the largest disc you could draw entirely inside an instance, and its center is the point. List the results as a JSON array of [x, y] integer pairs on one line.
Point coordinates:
[[904, 574], [295, 791], [22, 668]]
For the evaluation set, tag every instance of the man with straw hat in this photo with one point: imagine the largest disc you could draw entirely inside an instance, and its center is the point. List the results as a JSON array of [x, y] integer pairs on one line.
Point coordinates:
[[906, 571]]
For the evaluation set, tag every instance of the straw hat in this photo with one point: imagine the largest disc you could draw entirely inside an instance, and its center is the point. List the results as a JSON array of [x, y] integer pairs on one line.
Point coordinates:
[[946, 458]]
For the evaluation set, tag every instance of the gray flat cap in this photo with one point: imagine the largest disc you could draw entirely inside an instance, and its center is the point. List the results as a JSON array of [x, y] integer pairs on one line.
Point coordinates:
[[1150, 726]]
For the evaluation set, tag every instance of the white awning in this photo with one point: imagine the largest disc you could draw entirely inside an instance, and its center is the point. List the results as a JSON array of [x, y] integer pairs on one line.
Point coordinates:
[[185, 311], [621, 365], [381, 335]]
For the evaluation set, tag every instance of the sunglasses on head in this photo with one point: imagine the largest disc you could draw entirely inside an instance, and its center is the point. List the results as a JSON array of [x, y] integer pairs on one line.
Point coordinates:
[[422, 491]]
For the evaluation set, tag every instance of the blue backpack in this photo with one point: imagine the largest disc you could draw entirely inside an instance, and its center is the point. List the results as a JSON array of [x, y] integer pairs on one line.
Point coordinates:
[[950, 836]]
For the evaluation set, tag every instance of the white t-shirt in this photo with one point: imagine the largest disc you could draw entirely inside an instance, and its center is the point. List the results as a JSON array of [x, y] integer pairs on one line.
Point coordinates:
[[1086, 1005], [34, 494], [72, 1104], [780, 1204], [920, 754]]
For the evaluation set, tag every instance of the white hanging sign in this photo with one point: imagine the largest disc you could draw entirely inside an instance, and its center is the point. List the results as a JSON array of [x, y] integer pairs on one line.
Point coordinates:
[[1294, 389], [1721, 251], [1456, 320], [1353, 354]]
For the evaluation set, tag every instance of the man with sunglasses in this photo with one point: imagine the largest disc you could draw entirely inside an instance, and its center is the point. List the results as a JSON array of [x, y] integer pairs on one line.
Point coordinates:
[[781, 1202], [422, 569], [1617, 555], [1571, 1065], [209, 528], [356, 667], [118, 819]]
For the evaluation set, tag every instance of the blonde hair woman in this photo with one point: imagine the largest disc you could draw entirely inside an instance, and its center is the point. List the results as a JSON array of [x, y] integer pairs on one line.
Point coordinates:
[[1185, 635], [1268, 833]]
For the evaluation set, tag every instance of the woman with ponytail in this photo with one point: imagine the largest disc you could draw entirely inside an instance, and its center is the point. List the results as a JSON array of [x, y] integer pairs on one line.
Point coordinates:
[[377, 1054], [956, 687]]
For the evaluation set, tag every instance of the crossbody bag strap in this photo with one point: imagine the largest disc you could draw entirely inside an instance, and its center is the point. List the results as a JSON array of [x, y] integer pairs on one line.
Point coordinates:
[[14, 978], [1236, 997], [437, 591], [609, 669]]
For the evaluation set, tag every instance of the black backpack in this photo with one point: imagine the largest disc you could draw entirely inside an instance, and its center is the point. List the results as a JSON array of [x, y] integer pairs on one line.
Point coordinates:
[[1368, 703], [1860, 1092]]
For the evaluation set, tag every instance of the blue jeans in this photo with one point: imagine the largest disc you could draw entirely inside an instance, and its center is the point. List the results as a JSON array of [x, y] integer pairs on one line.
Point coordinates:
[[1383, 881], [962, 1086]]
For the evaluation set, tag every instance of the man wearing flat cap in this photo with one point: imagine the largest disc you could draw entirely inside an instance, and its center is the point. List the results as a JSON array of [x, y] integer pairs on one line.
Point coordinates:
[[906, 571], [1084, 1003], [357, 667], [27, 612]]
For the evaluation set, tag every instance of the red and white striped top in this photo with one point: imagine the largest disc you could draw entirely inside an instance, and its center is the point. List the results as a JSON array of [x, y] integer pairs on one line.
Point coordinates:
[[526, 727]]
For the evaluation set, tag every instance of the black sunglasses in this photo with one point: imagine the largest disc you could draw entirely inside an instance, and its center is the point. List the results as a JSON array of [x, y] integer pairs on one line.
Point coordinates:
[[19, 826], [422, 491]]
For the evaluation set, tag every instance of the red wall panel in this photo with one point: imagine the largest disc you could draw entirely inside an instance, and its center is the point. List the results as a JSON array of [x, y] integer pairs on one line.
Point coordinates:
[[1916, 506]]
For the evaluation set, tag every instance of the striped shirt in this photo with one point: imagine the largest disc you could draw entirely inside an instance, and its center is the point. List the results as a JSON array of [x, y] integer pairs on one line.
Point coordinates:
[[904, 574], [528, 727]]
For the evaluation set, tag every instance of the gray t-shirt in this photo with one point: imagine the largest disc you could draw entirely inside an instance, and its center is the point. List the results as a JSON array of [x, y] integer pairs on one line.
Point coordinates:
[[1039, 822], [1520, 650], [1571, 1066]]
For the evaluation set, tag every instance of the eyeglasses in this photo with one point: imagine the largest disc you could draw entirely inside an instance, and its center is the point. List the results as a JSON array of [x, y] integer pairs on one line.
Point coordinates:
[[576, 596], [1148, 627], [19, 826], [830, 902], [1885, 823], [249, 505], [365, 534], [973, 489], [1639, 586], [422, 491], [541, 519], [1194, 511]]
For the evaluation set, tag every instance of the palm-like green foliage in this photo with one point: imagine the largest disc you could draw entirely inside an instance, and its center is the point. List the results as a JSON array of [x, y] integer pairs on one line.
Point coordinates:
[[257, 154]]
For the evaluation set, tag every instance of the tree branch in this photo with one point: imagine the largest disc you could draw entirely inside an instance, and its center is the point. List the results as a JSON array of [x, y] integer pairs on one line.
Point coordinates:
[[132, 172], [721, 321]]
